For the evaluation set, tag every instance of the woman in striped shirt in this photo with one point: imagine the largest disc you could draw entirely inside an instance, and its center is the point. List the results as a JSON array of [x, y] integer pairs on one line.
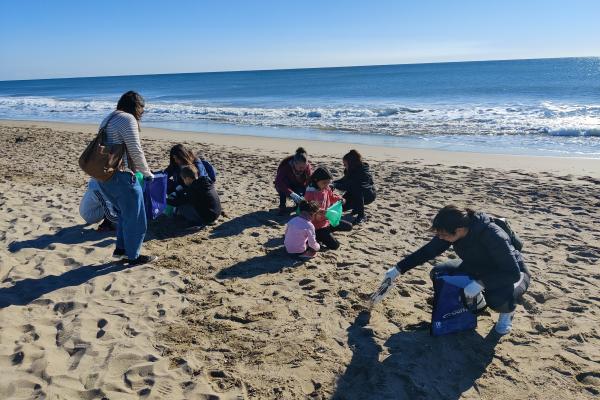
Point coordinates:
[[123, 190]]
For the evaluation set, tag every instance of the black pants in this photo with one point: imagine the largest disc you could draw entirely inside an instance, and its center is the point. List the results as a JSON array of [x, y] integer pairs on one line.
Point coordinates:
[[357, 200], [325, 235], [299, 189]]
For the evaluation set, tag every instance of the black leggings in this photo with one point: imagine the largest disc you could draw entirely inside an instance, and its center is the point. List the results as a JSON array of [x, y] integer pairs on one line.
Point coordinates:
[[325, 235], [358, 200]]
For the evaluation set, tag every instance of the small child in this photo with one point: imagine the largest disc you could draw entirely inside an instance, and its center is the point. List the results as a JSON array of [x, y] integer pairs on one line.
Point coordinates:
[[300, 231], [319, 190], [198, 202]]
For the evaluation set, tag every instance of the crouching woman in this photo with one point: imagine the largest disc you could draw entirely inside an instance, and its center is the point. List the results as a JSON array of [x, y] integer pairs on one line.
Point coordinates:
[[487, 255]]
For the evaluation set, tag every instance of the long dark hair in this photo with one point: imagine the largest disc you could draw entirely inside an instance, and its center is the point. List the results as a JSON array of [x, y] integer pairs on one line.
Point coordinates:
[[450, 218], [354, 159], [182, 153], [132, 103]]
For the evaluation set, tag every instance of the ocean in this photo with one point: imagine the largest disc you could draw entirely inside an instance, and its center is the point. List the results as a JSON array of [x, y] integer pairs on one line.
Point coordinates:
[[548, 107]]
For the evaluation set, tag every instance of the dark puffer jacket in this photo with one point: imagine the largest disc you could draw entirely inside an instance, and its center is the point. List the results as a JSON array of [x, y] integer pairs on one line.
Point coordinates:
[[356, 180], [359, 188], [486, 252]]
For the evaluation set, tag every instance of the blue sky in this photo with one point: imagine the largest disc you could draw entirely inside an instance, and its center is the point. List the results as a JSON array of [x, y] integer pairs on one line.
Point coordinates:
[[47, 39]]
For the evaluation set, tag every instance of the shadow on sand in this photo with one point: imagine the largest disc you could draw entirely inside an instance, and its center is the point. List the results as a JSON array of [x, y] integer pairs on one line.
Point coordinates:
[[274, 261], [72, 235], [255, 219], [27, 290], [419, 366]]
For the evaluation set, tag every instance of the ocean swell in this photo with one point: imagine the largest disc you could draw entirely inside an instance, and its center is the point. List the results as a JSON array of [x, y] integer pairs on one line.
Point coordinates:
[[546, 119]]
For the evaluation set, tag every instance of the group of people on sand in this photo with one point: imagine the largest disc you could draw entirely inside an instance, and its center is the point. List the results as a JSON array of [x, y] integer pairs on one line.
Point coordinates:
[[119, 201], [313, 193], [486, 251]]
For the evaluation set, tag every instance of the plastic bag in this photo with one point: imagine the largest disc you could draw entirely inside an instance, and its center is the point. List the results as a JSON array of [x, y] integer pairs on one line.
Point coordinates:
[[140, 178], [334, 213]]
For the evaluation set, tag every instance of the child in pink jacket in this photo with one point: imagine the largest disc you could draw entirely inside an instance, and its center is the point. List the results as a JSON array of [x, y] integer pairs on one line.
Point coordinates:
[[300, 240], [319, 191]]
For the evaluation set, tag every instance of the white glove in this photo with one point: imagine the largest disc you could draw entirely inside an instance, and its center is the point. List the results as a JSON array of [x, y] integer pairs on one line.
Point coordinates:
[[179, 188], [392, 273], [149, 177], [472, 290], [296, 197]]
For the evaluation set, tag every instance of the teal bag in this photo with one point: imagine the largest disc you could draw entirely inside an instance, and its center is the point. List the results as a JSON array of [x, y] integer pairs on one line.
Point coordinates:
[[334, 213]]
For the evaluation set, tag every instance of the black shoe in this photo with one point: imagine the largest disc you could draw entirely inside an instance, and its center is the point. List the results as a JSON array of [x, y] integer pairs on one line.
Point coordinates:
[[119, 253], [359, 220], [142, 259]]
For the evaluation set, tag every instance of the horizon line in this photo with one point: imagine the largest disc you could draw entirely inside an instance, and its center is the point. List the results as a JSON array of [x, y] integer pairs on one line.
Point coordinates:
[[298, 68]]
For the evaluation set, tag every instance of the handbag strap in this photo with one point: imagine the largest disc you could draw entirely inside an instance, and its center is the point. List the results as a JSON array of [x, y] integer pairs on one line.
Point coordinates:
[[102, 130]]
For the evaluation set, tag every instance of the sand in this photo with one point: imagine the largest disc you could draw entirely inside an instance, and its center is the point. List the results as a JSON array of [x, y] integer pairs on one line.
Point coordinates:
[[226, 314]]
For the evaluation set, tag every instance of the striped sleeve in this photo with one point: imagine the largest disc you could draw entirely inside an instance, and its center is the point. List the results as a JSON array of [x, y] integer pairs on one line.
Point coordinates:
[[123, 128]]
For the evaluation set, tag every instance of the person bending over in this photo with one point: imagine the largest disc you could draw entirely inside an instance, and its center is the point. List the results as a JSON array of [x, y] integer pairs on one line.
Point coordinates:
[[358, 185], [180, 156], [198, 202], [94, 208], [319, 190], [122, 190], [487, 255], [300, 239], [292, 177]]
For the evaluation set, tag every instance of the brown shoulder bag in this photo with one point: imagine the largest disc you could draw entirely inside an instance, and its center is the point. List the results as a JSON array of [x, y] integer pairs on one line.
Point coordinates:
[[99, 160]]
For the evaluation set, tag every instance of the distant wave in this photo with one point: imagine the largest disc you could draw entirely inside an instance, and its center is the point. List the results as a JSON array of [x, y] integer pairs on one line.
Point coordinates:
[[544, 119]]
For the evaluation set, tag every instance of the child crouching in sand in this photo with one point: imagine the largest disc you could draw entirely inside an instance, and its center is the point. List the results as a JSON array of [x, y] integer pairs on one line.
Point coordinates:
[[319, 190], [198, 202], [300, 238]]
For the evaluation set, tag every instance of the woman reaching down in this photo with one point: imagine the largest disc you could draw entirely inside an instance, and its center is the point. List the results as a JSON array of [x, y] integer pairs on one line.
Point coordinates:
[[487, 255]]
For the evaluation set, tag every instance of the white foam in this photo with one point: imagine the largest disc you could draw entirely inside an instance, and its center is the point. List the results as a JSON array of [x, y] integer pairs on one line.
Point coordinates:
[[545, 119]]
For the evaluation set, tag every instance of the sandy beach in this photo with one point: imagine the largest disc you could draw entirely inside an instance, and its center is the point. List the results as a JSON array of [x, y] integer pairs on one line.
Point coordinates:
[[226, 314]]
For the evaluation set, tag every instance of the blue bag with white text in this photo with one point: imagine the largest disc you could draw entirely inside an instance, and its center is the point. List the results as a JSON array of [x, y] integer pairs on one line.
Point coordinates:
[[449, 313]]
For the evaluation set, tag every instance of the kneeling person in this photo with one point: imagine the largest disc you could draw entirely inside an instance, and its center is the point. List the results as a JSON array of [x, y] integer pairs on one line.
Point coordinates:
[[198, 202], [488, 257]]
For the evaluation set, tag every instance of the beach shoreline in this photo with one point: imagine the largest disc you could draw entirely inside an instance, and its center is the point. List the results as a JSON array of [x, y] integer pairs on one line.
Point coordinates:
[[575, 166]]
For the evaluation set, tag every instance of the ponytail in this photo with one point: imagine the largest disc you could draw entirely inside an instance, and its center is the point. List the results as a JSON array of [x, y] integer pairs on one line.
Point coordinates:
[[300, 155]]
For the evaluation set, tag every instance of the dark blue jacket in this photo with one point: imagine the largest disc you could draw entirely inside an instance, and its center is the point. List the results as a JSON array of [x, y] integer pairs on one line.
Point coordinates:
[[204, 169], [486, 252]]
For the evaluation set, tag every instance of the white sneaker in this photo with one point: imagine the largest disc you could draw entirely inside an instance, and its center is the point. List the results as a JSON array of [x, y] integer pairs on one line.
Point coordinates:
[[504, 324]]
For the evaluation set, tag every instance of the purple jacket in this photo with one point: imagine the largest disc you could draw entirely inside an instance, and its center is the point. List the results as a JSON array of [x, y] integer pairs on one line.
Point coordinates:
[[286, 178]]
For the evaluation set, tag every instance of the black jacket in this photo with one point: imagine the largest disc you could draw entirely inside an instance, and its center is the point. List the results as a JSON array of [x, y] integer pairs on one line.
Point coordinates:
[[201, 194], [356, 180], [486, 252]]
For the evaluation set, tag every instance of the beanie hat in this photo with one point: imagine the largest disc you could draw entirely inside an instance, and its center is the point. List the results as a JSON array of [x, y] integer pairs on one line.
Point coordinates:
[[321, 173]]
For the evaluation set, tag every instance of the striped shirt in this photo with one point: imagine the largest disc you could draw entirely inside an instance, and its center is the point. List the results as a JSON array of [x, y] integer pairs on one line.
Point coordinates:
[[123, 128]]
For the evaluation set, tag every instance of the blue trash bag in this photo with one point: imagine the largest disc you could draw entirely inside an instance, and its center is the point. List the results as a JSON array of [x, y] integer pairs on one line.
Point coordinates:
[[155, 195], [449, 313]]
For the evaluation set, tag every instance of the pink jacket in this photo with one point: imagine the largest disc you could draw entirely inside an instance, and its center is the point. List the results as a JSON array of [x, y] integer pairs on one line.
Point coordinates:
[[298, 233], [325, 198]]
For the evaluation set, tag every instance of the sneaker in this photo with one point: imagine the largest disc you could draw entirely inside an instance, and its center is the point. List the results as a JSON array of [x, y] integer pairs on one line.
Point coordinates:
[[119, 253], [504, 324], [308, 254], [106, 226], [142, 259], [360, 220]]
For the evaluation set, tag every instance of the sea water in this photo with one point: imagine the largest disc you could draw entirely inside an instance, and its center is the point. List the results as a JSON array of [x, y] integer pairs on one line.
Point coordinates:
[[538, 107]]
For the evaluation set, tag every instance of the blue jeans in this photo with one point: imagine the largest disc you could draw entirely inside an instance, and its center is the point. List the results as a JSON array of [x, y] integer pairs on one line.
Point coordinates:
[[125, 193]]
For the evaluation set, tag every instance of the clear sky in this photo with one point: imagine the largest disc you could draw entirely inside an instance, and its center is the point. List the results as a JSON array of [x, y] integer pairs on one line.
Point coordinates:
[[59, 38]]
